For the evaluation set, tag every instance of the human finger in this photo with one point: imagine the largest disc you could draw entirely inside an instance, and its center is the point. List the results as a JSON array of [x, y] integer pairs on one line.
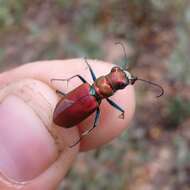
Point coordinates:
[[110, 125]]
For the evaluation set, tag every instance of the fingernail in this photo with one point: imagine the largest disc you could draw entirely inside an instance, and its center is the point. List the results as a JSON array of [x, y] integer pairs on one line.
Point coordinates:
[[26, 147]]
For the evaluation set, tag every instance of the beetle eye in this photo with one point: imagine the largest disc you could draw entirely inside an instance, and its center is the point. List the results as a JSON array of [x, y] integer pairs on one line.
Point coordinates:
[[114, 69], [122, 85]]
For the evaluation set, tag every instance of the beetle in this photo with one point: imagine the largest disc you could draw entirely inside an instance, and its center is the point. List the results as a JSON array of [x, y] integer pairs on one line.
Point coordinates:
[[81, 102]]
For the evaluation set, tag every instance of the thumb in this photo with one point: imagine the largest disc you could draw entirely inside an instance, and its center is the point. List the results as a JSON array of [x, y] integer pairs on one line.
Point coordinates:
[[33, 152]]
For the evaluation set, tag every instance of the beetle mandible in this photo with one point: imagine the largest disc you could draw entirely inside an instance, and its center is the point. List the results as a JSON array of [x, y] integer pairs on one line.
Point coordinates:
[[81, 102]]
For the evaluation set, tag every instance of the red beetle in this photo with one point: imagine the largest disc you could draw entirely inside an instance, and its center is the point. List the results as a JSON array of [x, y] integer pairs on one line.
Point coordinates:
[[81, 102]]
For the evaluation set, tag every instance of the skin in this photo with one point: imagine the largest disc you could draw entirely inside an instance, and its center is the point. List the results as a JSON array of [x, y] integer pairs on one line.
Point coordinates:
[[39, 147]]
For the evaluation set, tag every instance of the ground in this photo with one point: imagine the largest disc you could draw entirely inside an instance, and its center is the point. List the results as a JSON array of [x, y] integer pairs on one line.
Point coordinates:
[[154, 152]]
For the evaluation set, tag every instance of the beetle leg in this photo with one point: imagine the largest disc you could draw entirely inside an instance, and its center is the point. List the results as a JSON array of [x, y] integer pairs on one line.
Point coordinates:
[[89, 130], [61, 93], [116, 106], [68, 79], [91, 71]]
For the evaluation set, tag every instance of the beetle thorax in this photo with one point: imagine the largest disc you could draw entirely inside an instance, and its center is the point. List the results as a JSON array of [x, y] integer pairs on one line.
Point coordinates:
[[107, 85], [103, 88]]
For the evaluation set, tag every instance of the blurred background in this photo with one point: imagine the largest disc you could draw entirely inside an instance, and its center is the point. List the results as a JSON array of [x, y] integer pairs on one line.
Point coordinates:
[[153, 153]]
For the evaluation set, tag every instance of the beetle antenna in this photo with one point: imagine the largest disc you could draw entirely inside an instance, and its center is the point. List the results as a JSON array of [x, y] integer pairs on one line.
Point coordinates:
[[154, 84], [123, 47]]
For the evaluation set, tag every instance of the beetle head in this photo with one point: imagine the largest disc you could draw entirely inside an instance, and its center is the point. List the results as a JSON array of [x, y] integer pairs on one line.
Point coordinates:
[[117, 78], [120, 78]]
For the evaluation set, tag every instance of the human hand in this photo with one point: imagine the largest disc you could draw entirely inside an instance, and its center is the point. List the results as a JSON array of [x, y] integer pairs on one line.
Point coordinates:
[[34, 153]]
